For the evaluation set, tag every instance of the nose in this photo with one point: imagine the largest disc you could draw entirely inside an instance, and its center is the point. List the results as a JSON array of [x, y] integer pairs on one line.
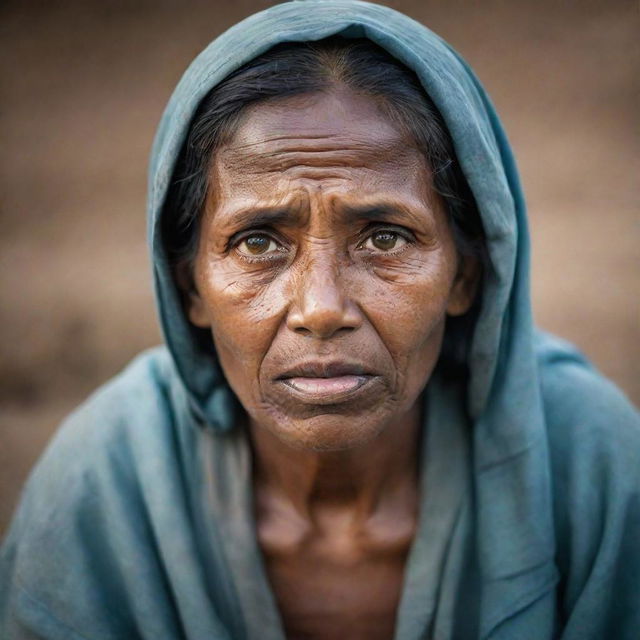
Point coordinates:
[[321, 308]]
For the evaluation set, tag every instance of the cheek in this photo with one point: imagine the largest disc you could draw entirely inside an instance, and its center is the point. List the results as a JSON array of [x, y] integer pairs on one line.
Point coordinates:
[[403, 301], [410, 300], [408, 311], [244, 310]]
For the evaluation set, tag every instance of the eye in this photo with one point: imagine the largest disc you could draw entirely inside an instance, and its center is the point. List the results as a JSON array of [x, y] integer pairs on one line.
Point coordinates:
[[258, 244], [384, 240]]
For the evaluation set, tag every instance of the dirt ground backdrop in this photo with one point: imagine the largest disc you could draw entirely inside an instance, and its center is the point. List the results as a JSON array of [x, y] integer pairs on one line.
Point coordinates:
[[83, 88]]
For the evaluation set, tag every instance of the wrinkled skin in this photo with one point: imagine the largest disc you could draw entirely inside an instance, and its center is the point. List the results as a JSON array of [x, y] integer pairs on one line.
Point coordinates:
[[323, 247]]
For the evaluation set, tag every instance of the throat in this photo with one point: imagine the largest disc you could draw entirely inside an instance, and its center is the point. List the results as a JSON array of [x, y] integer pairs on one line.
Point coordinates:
[[337, 570], [377, 477], [338, 579], [335, 530]]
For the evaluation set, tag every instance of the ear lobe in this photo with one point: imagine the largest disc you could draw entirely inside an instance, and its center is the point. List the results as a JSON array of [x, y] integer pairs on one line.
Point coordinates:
[[197, 311], [193, 304], [465, 286]]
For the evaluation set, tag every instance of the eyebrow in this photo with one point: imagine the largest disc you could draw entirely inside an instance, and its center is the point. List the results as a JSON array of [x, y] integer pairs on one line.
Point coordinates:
[[291, 215], [381, 211], [262, 217]]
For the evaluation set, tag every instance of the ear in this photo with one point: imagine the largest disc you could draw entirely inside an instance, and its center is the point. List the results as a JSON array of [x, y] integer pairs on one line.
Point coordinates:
[[465, 286], [193, 303], [197, 311]]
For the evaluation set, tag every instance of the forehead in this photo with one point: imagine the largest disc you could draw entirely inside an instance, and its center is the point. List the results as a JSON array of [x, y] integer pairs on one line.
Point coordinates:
[[330, 138]]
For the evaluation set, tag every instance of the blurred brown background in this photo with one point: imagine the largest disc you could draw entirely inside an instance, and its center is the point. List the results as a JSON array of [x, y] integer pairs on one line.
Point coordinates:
[[83, 87]]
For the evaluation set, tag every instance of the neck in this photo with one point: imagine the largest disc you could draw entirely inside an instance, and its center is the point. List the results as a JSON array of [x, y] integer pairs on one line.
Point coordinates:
[[364, 480]]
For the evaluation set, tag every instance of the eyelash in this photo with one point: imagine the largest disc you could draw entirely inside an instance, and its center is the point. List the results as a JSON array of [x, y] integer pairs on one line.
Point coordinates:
[[365, 235], [401, 232], [239, 238]]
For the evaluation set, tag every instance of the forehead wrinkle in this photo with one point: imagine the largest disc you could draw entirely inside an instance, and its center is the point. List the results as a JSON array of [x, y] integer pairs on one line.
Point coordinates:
[[282, 153], [290, 208], [351, 194], [331, 141], [237, 146]]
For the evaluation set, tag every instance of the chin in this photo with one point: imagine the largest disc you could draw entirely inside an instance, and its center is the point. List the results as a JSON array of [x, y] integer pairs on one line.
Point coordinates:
[[327, 432]]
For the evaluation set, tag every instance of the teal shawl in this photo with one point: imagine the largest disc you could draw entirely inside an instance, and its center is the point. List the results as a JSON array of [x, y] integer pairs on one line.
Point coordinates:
[[137, 521]]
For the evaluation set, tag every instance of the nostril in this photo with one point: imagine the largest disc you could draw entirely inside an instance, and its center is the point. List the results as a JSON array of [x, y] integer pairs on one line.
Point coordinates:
[[320, 308], [322, 333]]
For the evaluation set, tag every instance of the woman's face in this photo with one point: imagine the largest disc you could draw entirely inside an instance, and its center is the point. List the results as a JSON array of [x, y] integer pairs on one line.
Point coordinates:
[[325, 269]]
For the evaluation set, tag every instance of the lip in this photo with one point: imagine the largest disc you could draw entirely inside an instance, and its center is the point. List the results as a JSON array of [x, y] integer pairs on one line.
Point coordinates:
[[333, 369], [326, 382]]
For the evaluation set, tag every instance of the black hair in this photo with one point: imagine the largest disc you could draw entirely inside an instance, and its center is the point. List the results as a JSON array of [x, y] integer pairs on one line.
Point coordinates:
[[292, 69], [297, 68]]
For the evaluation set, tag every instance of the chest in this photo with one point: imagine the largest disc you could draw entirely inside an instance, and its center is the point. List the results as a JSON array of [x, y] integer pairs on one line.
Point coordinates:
[[335, 588]]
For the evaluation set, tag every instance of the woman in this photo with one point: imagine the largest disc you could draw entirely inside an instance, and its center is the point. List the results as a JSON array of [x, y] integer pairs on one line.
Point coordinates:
[[354, 430]]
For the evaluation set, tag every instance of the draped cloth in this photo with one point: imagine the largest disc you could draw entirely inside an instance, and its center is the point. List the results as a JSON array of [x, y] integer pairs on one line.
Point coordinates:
[[138, 520]]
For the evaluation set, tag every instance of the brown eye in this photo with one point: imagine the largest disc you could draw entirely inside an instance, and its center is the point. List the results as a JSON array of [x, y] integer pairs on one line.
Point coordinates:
[[258, 244], [384, 240]]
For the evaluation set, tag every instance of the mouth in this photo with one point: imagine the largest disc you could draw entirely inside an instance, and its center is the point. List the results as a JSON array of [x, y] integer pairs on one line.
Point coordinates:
[[326, 383]]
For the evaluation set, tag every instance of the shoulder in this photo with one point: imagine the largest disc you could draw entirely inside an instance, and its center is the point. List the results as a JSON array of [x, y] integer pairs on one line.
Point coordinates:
[[593, 433], [114, 436], [132, 406], [131, 411], [84, 515], [589, 420]]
